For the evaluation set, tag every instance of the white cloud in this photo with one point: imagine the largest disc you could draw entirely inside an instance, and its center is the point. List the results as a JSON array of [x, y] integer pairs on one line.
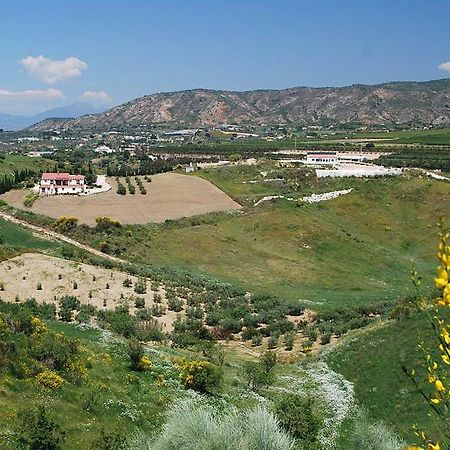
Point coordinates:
[[445, 66], [29, 101], [51, 71], [31, 95], [96, 98]]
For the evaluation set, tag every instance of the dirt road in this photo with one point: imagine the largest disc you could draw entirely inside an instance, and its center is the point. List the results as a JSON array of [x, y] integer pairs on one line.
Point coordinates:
[[57, 236]]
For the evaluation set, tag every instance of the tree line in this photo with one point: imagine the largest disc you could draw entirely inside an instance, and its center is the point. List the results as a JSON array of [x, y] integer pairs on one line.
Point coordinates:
[[9, 181]]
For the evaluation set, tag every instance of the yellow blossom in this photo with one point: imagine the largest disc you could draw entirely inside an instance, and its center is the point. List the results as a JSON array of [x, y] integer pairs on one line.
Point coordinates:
[[434, 446]]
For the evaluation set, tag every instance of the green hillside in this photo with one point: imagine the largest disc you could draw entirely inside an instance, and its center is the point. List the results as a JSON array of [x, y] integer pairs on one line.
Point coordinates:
[[358, 247], [372, 359], [10, 163]]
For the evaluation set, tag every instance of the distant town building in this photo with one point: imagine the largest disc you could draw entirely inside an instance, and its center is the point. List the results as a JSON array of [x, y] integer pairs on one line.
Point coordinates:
[[321, 157], [103, 149], [61, 183]]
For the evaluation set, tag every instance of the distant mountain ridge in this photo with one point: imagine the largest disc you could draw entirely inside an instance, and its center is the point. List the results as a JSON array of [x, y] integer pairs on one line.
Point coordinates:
[[425, 103], [14, 123]]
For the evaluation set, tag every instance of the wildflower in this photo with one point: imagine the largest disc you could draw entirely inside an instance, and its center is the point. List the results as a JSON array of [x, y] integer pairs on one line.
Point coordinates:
[[145, 364], [434, 446], [439, 386], [38, 326], [50, 379], [442, 279]]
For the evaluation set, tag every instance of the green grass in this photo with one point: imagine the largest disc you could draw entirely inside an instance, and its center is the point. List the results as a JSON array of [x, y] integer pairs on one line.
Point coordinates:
[[122, 400], [17, 162], [356, 248], [372, 360], [15, 240], [14, 236], [119, 404]]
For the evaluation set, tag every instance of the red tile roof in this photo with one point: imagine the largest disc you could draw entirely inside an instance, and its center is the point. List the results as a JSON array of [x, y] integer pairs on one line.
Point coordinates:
[[61, 176]]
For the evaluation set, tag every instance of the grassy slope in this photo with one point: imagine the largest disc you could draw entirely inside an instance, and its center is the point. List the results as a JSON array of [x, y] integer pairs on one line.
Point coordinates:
[[120, 399], [357, 247], [129, 404], [372, 359], [17, 162], [15, 240]]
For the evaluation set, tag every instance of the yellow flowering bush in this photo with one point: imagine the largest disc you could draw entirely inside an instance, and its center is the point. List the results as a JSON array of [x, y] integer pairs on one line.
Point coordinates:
[[38, 326], [145, 363], [50, 379], [202, 376], [438, 366], [76, 371], [160, 381]]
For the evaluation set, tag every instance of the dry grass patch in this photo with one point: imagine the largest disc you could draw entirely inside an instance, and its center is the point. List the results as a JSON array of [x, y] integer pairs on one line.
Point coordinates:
[[47, 279], [169, 196]]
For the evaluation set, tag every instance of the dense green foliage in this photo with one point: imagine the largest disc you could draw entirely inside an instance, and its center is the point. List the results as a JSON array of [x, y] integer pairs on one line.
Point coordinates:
[[418, 157]]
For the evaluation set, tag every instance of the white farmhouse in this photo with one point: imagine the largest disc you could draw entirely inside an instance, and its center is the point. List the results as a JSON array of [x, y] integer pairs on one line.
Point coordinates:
[[322, 157], [61, 183]]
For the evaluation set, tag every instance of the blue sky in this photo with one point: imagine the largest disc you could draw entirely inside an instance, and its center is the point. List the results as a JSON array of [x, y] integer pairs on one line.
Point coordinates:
[[120, 50]]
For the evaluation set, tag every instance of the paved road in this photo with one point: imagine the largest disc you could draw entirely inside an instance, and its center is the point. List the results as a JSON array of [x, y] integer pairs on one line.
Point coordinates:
[[57, 236]]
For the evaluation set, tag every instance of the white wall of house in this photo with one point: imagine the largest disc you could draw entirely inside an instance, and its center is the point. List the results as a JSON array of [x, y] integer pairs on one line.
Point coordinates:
[[56, 187], [313, 158]]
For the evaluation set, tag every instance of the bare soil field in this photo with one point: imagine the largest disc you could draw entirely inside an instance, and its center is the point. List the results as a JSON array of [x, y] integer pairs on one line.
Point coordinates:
[[169, 196], [97, 286]]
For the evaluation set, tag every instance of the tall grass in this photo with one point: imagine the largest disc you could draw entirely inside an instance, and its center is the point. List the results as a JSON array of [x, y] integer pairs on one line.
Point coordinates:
[[202, 428], [374, 436]]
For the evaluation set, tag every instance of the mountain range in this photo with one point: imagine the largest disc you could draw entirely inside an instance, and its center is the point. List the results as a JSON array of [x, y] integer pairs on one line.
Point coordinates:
[[414, 103], [12, 122]]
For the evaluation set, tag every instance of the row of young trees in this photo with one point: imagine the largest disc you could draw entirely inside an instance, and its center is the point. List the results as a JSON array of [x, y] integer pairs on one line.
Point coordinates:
[[144, 168]]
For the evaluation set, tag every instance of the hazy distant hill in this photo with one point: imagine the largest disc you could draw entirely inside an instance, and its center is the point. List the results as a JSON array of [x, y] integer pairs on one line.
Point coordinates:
[[12, 122], [425, 103]]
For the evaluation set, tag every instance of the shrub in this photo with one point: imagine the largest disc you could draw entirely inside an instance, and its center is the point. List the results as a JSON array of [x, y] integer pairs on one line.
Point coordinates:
[[54, 350], [140, 287], [297, 418], [289, 341], [175, 304], [121, 190], [67, 305], [273, 341], [127, 283], [257, 340], [139, 302], [37, 431], [111, 440], [201, 376], [150, 330], [30, 198], [366, 435], [135, 353], [259, 375], [190, 426], [105, 224], [158, 310], [50, 379], [86, 312], [311, 333], [325, 338], [65, 224]]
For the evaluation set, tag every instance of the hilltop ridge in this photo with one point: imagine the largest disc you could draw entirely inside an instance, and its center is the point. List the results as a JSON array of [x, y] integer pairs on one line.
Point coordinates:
[[415, 103]]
